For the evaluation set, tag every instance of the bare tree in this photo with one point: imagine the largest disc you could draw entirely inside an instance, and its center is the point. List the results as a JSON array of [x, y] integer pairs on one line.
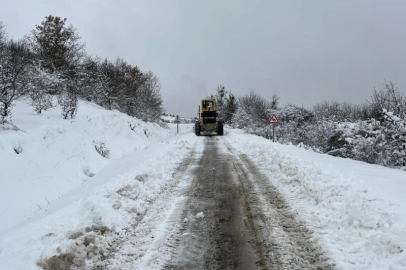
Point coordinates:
[[342, 112], [3, 34], [15, 59], [274, 102], [149, 102], [389, 99]]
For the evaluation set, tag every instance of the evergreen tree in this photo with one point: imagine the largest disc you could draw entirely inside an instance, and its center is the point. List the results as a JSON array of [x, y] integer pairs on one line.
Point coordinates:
[[57, 45]]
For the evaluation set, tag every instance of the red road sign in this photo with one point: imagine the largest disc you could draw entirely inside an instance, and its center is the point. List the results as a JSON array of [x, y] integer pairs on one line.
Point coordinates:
[[274, 120]]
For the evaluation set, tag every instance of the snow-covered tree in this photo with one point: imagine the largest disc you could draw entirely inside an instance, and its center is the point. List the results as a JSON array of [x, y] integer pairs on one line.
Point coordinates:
[[15, 59], [241, 119], [57, 46], [389, 99], [108, 85], [3, 34], [128, 83], [59, 52], [68, 101], [230, 107], [295, 122], [53, 62], [148, 105], [41, 84], [254, 107], [226, 104], [220, 97], [274, 102], [96, 83]]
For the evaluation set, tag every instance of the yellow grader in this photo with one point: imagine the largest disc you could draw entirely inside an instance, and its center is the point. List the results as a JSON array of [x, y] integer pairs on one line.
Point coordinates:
[[208, 118]]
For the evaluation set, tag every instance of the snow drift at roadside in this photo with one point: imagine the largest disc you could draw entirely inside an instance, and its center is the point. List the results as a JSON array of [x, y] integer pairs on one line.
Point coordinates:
[[356, 209]]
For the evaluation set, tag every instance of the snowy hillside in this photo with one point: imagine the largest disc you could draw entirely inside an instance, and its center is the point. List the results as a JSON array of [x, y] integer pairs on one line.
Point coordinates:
[[56, 155], [59, 184]]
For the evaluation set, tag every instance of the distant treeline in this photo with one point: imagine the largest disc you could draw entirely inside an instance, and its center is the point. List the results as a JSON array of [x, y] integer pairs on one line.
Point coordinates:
[[51, 60], [372, 132]]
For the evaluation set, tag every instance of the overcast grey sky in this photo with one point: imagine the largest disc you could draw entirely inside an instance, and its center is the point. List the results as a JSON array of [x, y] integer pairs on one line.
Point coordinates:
[[304, 51]]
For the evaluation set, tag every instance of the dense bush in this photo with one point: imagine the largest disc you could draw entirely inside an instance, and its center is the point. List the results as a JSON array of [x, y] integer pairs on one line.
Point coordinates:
[[372, 132], [253, 111]]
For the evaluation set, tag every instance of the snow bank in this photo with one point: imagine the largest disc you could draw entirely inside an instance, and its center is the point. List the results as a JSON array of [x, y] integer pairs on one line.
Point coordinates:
[[358, 210], [58, 155], [60, 195]]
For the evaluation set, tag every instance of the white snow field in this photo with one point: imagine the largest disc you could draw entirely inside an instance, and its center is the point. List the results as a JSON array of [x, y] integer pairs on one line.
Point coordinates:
[[49, 199]]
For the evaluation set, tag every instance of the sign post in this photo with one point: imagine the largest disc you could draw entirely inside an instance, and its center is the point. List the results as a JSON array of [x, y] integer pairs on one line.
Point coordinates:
[[177, 124], [273, 133], [273, 121]]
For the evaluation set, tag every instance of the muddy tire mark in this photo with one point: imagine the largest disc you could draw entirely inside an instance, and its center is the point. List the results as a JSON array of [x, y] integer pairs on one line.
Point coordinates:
[[220, 240], [286, 240]]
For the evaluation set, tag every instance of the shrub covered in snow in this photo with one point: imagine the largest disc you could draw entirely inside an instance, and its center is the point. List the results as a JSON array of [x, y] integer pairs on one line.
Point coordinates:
[[102, 149], [252, 112], [373, 133], [42, 83]]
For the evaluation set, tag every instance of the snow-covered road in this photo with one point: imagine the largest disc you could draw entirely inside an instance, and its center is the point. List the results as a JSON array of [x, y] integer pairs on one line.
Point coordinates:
[[220, 212]]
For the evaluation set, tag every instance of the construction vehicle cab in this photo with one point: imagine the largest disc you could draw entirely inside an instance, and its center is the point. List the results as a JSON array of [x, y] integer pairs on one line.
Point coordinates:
[[208, 118]]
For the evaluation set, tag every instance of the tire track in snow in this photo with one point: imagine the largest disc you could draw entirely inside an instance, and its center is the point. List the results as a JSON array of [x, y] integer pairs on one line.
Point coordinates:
[[220, 240], [147, 240], [247, 224], [283, 237]]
